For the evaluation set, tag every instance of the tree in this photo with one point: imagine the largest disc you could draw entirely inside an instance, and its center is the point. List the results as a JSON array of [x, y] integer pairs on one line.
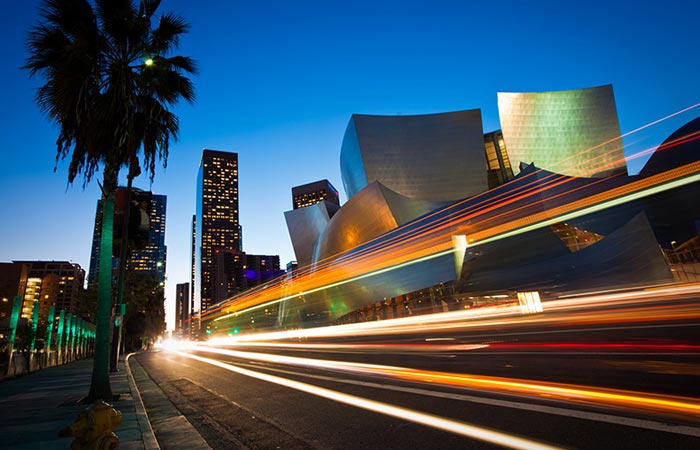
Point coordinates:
[[110, 80], [145, 312]]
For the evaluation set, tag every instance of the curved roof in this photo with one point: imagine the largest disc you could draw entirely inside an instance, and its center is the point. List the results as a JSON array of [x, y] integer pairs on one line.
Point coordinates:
[[436, 157], [305, 225], [573, 132], [373, 212], [680, 148]]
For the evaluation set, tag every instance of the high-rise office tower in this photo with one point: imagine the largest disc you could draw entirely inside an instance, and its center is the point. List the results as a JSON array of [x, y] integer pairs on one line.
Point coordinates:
[[312, 193], [193, 264], [182, 308], [228, 273], [146, 234], [151, 258], [217, 225], [261, 268]]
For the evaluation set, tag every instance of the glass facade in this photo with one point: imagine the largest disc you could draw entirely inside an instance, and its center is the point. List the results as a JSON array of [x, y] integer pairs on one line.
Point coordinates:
[[312, 193], [217, 224], [153, 256], [498, 166]]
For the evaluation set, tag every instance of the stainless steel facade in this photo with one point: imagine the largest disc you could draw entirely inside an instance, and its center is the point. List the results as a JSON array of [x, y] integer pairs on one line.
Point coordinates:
[[372, 212], [573, 132], [382, 244], [305, 226], [430, 157]]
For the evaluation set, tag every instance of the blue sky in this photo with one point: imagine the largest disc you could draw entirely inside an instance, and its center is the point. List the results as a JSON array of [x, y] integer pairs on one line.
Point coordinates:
[[278, 82]]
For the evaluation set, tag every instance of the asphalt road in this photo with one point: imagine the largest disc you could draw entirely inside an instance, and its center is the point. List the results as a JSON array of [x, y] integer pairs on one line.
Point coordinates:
[[572, 379]]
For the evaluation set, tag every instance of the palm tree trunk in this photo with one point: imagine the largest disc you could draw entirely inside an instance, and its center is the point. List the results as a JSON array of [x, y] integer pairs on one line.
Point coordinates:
[[121, 271], [99, 385]]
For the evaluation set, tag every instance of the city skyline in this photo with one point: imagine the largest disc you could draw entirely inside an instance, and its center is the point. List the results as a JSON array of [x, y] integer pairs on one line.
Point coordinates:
[[278, 84]]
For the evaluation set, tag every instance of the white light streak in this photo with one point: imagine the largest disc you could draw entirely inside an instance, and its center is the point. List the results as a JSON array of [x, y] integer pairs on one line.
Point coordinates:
[[441, 423]]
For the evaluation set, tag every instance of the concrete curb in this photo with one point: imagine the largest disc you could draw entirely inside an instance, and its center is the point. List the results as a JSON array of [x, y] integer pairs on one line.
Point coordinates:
[[167, 425], [149, 438]]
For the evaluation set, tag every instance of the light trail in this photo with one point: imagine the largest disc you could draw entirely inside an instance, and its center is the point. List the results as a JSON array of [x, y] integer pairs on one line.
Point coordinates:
[[439, 242], [609, 398], [421, 418], [674, 348], [663, 426], [431, 237], [566, 311]]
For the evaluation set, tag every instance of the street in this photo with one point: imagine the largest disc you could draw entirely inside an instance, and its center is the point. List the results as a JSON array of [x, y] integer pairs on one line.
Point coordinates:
[[573, 376]]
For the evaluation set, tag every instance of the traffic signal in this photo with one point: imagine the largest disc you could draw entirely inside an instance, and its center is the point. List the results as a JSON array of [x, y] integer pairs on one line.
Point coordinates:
[[138, 204]]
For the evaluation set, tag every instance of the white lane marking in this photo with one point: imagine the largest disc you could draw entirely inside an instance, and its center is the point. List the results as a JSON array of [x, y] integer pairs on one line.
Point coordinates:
[[452, 426], [576, 414]]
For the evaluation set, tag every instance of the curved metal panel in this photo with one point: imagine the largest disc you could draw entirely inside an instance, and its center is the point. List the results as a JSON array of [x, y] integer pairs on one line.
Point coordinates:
[[352, 170], [374, 211], [361, 219], [573, 133], [437, 157], [305, 226]]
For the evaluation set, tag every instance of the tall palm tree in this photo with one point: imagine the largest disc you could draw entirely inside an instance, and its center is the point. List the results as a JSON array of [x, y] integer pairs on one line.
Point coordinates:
[[109, 81]]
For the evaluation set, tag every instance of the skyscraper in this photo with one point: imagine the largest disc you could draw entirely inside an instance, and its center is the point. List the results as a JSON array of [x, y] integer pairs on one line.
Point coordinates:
[[312, 193], [182, 308], [193, 264], [147, 233], [217, 225], [152, 256]]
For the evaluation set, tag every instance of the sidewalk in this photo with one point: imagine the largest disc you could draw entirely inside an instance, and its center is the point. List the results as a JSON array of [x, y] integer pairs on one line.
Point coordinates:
[[35, 407]]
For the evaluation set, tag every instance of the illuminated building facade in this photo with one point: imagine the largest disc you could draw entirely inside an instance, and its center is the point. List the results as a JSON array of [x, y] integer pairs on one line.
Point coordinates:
[[437, 157], [314, 204], [52, 283], [498, 168], [182, 308], [152, 257], [146, 234], [261, 268], [574, 133], [305, 226], [235, 272], [217, 224], [228, 273], [13, 281], [398, 167], [534, 228], [312, 193], [372, 212], [193, 263]]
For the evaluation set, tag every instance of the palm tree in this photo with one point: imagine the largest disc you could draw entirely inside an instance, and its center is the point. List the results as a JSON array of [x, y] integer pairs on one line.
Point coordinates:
[[109, 81]]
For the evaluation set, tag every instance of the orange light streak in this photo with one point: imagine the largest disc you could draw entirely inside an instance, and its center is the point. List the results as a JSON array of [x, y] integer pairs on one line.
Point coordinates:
[[418, 417], [610, 398], [650, 305], [430, 237]]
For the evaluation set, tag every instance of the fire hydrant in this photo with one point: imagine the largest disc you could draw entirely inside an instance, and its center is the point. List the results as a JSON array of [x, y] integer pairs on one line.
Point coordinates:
[[94, 428]]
